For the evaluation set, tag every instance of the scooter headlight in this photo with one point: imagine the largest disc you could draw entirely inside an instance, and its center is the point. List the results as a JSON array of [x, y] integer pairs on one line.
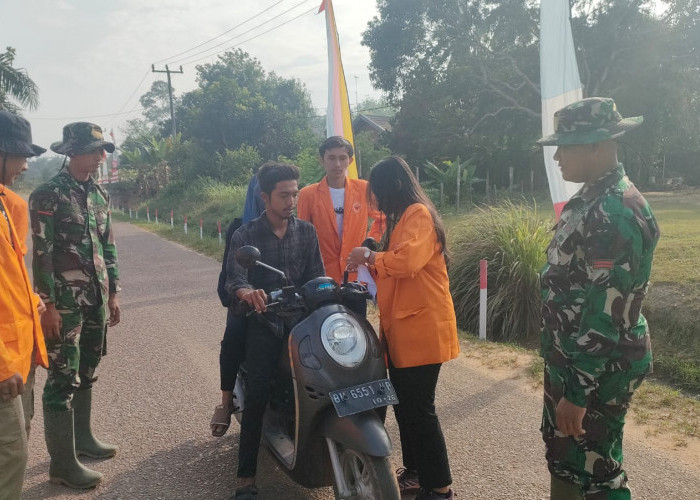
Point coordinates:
[[344, 339]]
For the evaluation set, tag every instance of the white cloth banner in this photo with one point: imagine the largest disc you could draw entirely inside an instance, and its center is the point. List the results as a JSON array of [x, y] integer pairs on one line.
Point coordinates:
[[560, 85]]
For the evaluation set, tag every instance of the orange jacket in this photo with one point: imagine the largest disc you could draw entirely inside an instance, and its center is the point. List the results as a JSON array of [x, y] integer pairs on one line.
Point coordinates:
[[417, 316], [20, 329], [315, 205]]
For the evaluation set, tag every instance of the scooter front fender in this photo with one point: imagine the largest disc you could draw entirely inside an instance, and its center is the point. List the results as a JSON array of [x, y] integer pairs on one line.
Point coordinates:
[[363, 432]]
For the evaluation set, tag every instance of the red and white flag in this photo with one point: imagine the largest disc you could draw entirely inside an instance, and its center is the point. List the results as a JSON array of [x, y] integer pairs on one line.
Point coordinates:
[[560, 85]]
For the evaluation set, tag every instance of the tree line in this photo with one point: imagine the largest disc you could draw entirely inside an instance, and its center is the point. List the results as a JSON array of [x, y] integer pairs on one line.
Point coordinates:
[[464, 75], [463, 79]]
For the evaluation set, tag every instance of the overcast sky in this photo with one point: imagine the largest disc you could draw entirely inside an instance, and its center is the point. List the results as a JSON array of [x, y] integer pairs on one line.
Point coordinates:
[[92, 59]]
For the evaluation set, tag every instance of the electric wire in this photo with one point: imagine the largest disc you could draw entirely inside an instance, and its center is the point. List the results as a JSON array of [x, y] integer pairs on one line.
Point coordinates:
[[251, 38], [178, 61], [220, 34]]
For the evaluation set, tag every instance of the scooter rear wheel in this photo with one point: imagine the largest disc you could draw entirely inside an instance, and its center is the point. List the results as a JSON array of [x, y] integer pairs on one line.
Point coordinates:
[[368, 477]]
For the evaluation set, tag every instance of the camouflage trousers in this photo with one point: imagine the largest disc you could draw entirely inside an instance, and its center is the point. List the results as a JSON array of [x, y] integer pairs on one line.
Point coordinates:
[[593, 461], [74, 358]]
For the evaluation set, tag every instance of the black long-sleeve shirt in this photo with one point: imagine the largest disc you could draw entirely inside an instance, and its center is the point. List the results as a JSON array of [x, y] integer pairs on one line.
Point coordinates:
[[297, 254]]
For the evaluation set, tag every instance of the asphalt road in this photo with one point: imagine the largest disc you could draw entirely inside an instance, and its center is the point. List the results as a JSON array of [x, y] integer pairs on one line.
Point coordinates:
[[158, 386]]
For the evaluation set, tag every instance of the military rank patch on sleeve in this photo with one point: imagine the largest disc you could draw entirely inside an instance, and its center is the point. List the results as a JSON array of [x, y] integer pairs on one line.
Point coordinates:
[[602, 264]]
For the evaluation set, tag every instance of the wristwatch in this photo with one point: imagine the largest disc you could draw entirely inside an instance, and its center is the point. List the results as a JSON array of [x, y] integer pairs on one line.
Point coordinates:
[[367, 254]]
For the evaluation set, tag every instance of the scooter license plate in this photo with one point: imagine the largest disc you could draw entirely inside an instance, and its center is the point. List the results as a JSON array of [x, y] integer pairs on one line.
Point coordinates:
[[363, 397]]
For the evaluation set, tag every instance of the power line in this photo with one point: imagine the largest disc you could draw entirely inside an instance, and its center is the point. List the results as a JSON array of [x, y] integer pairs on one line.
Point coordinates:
[[251, 38], [83, 117], [138, 86], [220, 34], [239, 35], [134, 92]]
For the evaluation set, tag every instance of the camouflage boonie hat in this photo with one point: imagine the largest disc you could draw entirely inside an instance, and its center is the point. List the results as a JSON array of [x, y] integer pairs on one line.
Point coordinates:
[[80, 138], [589, 121]]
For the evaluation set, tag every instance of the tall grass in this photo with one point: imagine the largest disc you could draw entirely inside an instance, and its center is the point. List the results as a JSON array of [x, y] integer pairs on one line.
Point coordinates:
[[513, 240]]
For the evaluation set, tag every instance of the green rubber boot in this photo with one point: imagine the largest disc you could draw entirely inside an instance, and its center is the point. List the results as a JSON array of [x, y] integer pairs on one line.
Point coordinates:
[[65, 467], [564, 490], [85, 443]]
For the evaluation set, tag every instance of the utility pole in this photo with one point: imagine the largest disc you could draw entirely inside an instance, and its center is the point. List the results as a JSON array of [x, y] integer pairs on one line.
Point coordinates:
[[170, 94]]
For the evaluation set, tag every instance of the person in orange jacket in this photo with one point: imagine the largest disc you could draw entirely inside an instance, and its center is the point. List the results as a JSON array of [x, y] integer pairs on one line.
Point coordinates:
[[338, 207], [21, 339], [417, 320]]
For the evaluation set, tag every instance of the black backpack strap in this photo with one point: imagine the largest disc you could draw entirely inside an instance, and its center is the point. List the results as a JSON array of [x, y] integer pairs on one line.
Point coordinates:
[[220, 288]]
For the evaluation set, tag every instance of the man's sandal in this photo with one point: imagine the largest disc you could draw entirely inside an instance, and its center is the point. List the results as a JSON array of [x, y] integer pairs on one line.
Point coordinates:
[[221, 421], [222, 417]]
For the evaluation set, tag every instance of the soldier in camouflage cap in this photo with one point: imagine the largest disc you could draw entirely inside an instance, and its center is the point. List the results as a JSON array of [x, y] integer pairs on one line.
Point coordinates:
[[588, 121], [75, 273], [594, 339], [80, 138]]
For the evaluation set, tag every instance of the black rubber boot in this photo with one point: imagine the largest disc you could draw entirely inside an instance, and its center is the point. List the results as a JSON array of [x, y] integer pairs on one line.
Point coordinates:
[[65, 467], [85, 443]]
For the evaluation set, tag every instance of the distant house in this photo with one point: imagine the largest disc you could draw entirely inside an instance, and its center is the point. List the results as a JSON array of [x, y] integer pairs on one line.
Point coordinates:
[[374, 124]]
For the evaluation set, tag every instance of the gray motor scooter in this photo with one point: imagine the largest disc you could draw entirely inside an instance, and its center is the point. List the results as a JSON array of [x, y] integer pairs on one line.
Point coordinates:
[[325, 420]]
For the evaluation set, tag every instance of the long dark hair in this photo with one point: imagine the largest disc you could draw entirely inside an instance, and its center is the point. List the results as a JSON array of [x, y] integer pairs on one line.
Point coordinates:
[[395, 188]]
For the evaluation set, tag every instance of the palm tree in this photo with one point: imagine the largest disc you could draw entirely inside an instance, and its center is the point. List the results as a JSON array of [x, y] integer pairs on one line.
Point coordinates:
[[16, 84], [149, 159], [452, 174]]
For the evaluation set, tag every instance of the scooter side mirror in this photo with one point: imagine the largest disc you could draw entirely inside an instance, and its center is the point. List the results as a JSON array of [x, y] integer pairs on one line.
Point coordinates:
[[370, 243], [247, 256]]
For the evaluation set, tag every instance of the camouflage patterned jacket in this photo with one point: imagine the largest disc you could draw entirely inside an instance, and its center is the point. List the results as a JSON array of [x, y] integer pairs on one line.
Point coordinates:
[[596, 276], [74, 260]]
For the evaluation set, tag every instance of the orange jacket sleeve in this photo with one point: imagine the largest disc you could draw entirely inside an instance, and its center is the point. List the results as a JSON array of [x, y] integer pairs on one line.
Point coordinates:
[[415, 248], [304, 205]]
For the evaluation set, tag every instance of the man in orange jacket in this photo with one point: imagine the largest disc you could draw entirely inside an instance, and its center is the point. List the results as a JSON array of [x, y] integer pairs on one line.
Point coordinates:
[[338, 207], [21, 339]]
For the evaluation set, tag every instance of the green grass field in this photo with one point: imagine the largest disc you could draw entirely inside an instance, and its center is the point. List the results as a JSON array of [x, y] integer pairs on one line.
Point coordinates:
[[674, 300], [677, 257]]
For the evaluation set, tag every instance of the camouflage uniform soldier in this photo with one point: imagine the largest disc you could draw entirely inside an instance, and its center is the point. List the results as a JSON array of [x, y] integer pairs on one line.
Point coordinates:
[[594, 340], [75, 273]]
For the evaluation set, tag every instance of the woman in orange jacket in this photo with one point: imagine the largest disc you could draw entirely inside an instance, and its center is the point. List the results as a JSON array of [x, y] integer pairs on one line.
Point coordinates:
[[417, 320]]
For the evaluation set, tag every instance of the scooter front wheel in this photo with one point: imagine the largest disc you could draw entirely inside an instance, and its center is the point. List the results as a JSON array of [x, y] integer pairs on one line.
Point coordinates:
[[367, 477]]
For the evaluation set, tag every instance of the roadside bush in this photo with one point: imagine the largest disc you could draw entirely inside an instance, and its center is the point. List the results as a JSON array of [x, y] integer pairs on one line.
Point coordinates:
[[513, 240], [205, 198], [310, 169], [237, 166]]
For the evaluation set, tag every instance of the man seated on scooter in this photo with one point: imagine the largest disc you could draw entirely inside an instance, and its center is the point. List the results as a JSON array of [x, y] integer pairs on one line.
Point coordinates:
[[288, 244]]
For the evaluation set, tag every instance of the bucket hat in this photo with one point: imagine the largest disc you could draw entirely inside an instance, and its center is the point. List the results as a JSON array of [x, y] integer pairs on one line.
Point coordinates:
[[80, 138], [588, 121], [16, 136]]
